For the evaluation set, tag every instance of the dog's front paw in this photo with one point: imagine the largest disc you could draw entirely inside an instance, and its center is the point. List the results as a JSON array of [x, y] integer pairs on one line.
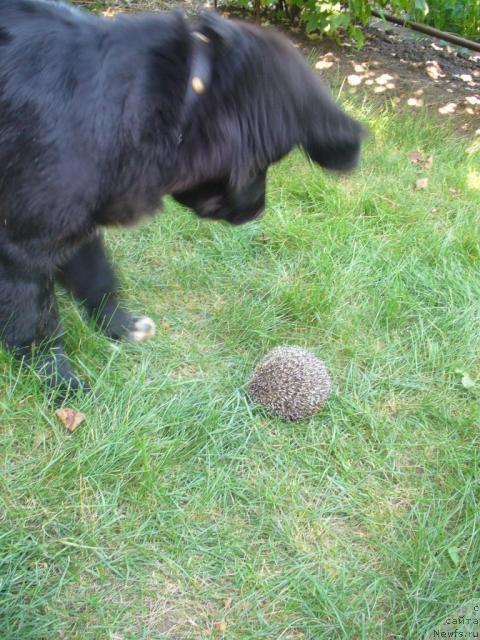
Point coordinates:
[[119, 324], [141, 329]]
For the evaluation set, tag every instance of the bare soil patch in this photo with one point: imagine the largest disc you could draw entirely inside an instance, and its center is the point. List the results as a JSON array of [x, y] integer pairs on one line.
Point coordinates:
[[399, 66]]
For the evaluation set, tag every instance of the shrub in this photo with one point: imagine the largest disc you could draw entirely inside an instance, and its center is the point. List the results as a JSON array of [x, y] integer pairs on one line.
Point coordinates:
[[458, 16], [336, 17]]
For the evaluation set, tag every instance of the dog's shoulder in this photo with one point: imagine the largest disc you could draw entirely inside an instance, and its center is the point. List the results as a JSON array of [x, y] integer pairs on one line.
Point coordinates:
[[25, 23], [40, 9]]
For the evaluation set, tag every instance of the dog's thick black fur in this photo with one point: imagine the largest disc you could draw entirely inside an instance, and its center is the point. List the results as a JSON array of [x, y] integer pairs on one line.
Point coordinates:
[[101, 118]]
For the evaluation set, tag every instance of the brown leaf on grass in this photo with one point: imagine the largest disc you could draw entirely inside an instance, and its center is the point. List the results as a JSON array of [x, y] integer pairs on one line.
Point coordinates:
[[165, 325], [421, 183], [70, 418], [455, 192], [220, 626], [417, 157]]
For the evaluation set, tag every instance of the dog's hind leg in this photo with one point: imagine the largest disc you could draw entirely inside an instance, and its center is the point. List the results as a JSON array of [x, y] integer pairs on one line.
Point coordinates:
[[89, 277], [30, 327]]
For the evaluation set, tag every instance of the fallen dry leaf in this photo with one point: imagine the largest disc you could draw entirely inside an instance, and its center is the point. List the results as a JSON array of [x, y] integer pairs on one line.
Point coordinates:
[[450, 107], [455, 192], [109, 12], [434, 70], [70, 418], [421, 183], [354, 80], [324, 64], [165, 325], [415, 157], [220, 626]]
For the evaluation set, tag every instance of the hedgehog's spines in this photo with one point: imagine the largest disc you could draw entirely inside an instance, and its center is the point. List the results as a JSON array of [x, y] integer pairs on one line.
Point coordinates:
[[291, 383]]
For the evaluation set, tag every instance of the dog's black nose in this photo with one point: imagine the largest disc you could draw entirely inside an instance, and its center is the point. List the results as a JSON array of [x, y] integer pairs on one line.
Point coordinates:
[[242, 218]]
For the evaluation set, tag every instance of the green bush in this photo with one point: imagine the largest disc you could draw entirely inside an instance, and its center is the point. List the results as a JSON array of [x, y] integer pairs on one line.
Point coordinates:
[[330, 17], [458, 16], [337, 17]]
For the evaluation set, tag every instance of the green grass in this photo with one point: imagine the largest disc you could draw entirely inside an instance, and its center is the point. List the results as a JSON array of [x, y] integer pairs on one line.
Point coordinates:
[[452, 15], [178, 504]]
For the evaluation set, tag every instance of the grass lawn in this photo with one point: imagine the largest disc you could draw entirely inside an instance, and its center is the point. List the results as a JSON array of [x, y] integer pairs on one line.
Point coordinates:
[[178, 510]]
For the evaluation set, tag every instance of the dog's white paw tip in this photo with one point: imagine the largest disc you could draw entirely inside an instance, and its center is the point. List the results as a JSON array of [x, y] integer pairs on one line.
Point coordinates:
[[143, 329]]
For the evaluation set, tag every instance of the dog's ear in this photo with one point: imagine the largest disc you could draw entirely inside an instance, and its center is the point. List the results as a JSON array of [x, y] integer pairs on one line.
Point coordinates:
[[216, 28], [334, 140]]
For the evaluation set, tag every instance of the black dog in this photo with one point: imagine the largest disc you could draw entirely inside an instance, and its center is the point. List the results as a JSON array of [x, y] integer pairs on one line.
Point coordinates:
[[101, 118]]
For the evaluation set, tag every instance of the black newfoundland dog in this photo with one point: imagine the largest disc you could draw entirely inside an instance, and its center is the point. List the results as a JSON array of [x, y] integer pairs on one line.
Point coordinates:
[[101, 118]]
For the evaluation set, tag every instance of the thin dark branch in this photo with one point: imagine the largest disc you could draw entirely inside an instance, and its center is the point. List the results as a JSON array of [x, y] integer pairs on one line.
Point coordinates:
[[430, 31]]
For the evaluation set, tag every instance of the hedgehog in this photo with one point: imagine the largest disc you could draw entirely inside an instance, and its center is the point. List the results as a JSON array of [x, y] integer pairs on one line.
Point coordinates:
[[290, 383]]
